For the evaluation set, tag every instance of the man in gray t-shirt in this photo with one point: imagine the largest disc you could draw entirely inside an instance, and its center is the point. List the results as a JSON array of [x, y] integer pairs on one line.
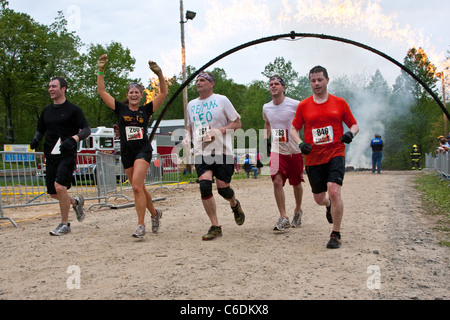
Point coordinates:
[[286, 160]]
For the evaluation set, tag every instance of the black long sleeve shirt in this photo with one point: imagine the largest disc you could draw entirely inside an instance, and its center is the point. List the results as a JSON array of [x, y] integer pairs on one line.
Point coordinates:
[[62, 121]]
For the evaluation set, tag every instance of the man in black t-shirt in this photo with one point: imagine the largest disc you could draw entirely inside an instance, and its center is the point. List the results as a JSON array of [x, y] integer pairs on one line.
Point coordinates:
[[63, 124]]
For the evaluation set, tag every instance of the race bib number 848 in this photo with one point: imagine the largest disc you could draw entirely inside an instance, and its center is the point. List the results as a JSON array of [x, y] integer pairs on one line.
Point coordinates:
[[323, 135]]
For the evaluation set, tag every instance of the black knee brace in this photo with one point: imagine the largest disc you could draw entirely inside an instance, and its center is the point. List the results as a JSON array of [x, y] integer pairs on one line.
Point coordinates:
[[227, 193], [206, 189]]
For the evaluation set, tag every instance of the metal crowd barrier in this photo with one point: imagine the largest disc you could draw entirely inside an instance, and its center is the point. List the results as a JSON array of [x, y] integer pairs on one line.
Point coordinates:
[[98, 176], [22, 181], [163, 170], [439, 162], [170, 171]]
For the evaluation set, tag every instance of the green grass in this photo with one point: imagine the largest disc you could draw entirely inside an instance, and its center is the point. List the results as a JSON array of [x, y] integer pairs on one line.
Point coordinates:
[[436, 200]]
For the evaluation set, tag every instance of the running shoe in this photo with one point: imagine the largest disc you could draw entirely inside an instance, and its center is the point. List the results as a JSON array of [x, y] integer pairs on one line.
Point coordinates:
[[156, 221], [297, 220], [213, 232], [139, 232], [239, 215], [78, 207], [61, 229], [282, 224], [335, 241], [328, 214]]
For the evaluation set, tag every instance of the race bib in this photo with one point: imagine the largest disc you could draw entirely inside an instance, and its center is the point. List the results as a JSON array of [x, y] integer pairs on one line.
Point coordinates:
[[203, 134], [134, 133], [280, 135], [322, 135]]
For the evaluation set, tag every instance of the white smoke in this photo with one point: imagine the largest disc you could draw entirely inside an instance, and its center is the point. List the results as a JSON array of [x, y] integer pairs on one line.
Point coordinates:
[[367, 110], [368, 107]]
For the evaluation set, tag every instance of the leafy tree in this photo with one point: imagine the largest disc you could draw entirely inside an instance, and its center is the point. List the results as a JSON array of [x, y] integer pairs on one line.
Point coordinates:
[[31, 54], [256, 95], [415, 111], [117, 78], [285, 70], [22, 62]]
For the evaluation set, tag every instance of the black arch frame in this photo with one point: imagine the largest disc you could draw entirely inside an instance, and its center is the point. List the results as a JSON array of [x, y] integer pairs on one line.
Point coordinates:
[[292, 35]]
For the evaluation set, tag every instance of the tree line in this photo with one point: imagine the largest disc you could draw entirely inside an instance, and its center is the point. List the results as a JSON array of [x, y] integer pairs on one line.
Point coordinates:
[[31, 53]]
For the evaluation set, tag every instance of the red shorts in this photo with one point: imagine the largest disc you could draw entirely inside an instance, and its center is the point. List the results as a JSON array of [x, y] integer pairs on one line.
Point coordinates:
[[290, 166]]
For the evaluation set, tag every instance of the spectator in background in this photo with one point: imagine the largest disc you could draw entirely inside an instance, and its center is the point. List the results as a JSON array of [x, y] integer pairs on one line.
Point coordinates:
[[249, 167], [444, 146], [259, 163], [236, 164], [377, 147], [415, 158]]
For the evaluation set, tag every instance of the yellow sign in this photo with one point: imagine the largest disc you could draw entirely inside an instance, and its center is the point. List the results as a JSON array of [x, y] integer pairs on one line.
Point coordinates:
[[17, 148]]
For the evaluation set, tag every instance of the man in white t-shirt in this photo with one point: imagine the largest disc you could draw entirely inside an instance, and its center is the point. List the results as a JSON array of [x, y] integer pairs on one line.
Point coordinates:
[[211, 120], [286, 160]]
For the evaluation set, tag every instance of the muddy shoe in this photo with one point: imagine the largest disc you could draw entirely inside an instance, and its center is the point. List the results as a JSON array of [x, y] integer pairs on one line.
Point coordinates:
[[239, 215], [335, 241], [213, 232]]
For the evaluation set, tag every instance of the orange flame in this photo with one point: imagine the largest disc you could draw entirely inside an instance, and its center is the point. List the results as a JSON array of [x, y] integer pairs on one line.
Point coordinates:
[[421, 58], [153, 90]]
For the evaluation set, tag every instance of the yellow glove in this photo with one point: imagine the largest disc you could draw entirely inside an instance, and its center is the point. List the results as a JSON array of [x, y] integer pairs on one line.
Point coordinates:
[[154, 67], [101, 63]]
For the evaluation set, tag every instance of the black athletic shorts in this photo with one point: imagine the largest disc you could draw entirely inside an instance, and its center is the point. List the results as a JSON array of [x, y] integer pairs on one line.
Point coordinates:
[[59, 169], [320, 175], [222, 166], [128, 158]]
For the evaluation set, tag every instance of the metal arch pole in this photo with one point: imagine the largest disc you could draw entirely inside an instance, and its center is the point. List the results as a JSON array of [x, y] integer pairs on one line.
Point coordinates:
[[294, 35]]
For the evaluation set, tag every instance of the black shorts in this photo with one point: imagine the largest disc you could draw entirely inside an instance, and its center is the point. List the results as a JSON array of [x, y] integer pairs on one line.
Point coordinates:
[[320, 175], [222, 168], [128, 158], [59, 169]]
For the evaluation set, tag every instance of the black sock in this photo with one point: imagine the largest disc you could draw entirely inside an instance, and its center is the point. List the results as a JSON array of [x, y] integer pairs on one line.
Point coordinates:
[[337, 233]]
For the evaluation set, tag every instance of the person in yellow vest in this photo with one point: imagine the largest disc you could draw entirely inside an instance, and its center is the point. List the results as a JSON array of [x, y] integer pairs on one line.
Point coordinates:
[[415, 158]]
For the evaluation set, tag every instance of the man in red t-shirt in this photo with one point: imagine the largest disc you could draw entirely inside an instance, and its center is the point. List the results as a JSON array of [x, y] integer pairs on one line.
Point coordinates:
[[322, 115]]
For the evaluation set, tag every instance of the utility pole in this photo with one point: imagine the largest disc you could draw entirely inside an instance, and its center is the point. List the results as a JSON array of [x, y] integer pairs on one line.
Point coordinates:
[[183, 63], [442, 77]]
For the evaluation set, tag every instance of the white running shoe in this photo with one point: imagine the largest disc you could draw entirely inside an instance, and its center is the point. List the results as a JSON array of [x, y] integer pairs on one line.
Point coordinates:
[[78, 207], [156, 221], [297, 221], [139, 232], [61, 230], [282, 224]]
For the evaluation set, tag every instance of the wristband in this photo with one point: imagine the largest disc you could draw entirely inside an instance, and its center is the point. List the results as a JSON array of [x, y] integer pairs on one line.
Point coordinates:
[[102, 73]]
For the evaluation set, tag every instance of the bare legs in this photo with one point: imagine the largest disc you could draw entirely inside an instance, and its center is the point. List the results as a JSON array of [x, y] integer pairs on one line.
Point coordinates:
[[142, 198]]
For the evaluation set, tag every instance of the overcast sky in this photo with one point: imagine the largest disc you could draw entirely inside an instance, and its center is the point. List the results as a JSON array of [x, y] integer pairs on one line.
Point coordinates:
[[151, 30]]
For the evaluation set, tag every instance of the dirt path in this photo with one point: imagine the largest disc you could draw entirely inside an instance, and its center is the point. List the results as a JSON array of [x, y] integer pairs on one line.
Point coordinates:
[[385, 234]]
